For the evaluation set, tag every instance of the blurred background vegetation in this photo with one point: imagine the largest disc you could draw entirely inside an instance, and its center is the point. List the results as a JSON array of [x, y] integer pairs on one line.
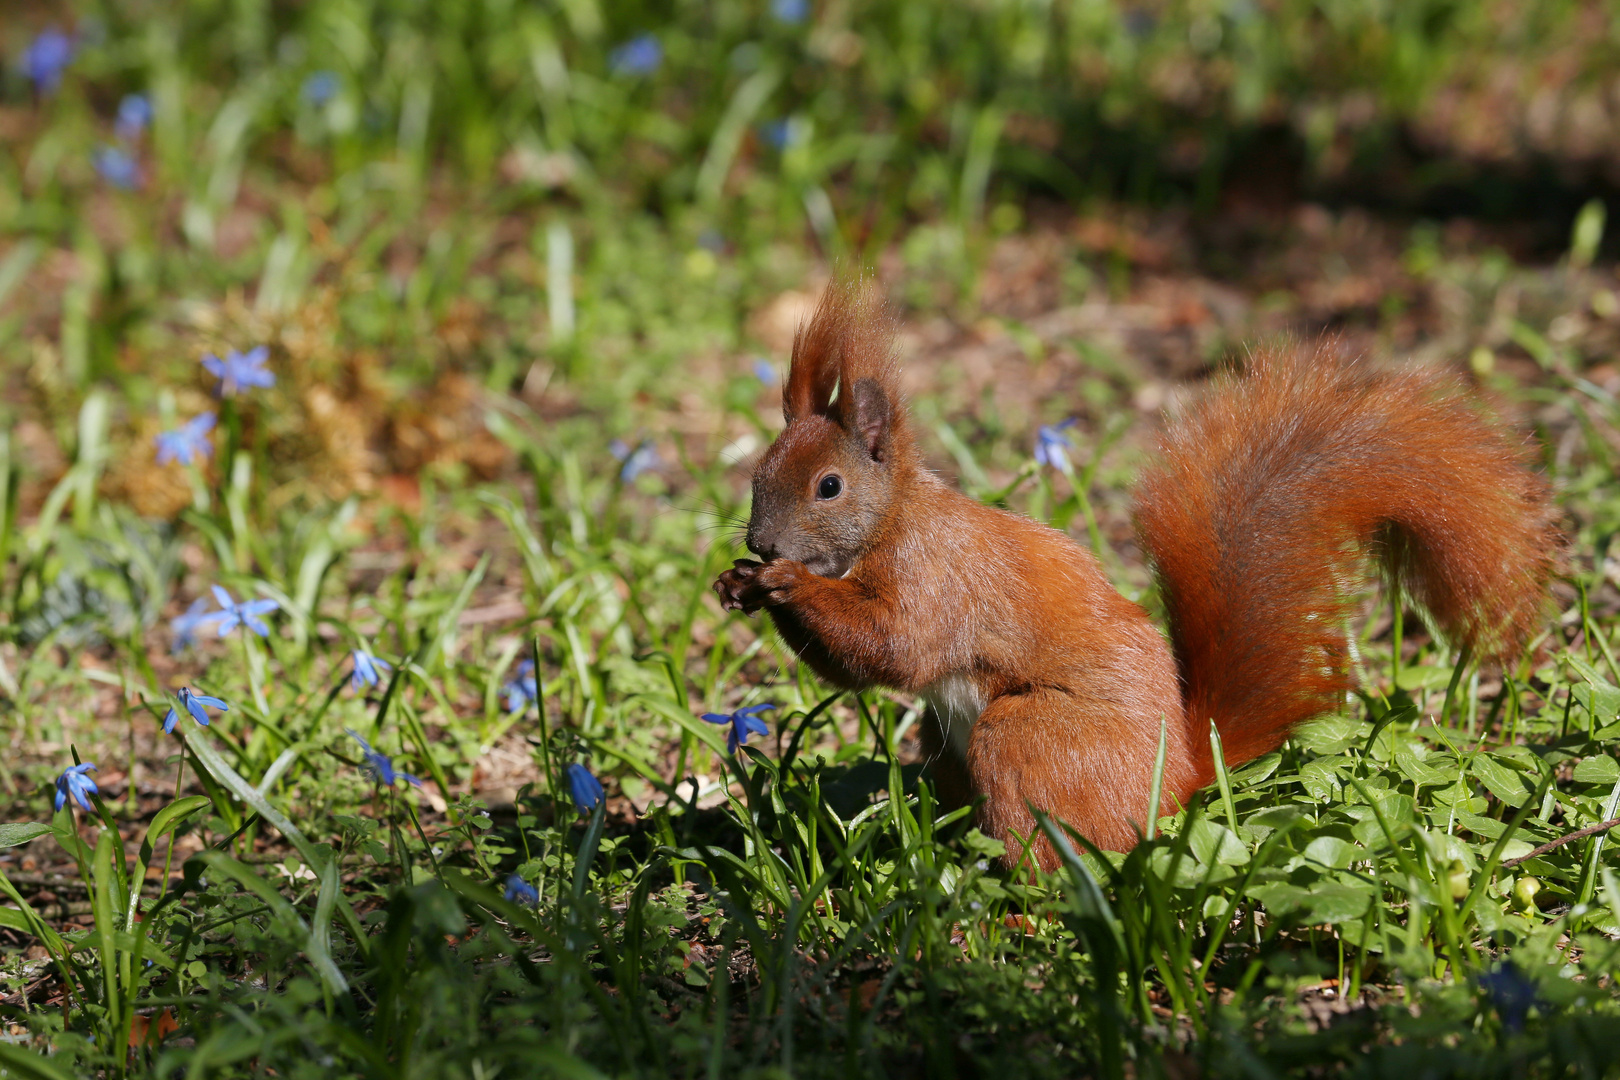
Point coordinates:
[[392, 192]]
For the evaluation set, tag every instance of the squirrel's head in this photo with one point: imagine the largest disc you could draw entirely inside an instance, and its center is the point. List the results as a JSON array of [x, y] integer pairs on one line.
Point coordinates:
[[824, 489]]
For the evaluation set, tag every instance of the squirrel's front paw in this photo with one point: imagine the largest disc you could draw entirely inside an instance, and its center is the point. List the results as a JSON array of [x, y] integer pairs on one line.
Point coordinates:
[[749, 586], [732, 586]]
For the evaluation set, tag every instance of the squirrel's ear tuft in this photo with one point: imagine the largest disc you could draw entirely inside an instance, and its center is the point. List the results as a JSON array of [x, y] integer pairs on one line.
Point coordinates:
[[816, 347], [849, 338]]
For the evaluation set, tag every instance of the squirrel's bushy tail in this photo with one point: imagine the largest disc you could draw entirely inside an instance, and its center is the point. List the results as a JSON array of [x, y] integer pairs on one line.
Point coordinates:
[[1277, 488]]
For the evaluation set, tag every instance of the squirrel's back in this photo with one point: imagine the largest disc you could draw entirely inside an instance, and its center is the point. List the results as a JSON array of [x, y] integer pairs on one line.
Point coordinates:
[[1280, 485]]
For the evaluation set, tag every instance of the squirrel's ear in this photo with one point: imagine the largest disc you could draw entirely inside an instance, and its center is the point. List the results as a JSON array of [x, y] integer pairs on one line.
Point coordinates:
[[867, 413]]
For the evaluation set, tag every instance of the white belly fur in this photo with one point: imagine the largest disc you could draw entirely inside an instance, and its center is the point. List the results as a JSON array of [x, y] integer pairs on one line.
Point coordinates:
[[957, 703]]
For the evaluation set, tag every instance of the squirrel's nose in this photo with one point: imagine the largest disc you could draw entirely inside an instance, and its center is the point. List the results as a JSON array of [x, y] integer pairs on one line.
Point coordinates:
[[760, 545]]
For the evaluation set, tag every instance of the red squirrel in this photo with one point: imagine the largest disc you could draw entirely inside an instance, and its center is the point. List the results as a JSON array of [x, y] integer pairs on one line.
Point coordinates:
[[1045, 686]]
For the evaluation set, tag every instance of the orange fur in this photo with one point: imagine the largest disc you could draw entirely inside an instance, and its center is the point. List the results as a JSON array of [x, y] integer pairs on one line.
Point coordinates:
[[1281, 482], [1046, 687]]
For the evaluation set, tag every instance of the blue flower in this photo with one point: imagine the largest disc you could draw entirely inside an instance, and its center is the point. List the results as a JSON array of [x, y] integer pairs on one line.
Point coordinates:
[[522, 689], [186, 626], [134, 115], [638, 56], [1511, 992], [240, 369], [744, 722], [791, 11], [1050, 444], [47, 56], [519, 891], [231, 614], [643, 458], [117, 167], [764, 370], [74, 784], [585, 788], [320, 87], [380, 766], [366, 671], [779, 133], [193, 703], [187, 442]]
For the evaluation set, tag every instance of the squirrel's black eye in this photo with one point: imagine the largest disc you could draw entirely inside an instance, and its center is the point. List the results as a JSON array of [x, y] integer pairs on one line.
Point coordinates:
[[829, 487]]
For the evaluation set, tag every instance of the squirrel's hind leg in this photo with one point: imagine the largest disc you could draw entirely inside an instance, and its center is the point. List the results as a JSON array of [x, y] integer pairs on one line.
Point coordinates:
[[1080, 764]]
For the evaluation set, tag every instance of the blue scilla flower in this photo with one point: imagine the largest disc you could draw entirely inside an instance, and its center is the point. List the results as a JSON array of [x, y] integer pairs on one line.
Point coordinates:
[[76, 785], [744, 722], [1051, 444], [644, 458], [185, 627], [320, 87], [791, 11], [368, 669], [134, 116], [764, 370], [193, 703], [785, 133], [519, 891], [379, 765], [640, 55], [778, 133], [240, 369], [231, 614], [46, 57], [585, 789], [522, 689], [117, 166], [1511, 991], [187, 442]]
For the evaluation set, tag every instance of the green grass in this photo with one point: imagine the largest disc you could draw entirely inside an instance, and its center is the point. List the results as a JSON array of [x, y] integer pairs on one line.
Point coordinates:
[[489, 256]]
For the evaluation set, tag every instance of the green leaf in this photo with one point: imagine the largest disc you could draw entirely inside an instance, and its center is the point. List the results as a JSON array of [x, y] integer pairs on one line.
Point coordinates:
[[1600, 769], [1326, 901], [1257, 770], [1407, 761], [1335, 902], [1331, 851], [104, 902], [168, 818], [1329, 735], [13, 833], [1398, 809], [1188, 871], [1499, 780], [1214, 844], [1424, 678], [1599, 697], [1489, 828], [1321, 778], [1276, 817]]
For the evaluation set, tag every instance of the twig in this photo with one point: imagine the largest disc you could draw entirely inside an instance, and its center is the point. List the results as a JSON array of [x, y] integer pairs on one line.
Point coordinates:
[[1602, 826]]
